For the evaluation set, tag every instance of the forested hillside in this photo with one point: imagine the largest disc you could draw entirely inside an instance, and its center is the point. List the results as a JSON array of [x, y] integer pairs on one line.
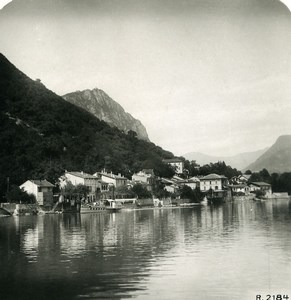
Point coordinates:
[[42, 135]]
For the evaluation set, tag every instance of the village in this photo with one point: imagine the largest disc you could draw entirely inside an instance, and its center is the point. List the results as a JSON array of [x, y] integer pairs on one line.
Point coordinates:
[[83, 192]]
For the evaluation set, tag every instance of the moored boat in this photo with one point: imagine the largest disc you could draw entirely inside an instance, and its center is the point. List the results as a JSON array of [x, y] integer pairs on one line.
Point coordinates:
[[113, 206], [92, 208]]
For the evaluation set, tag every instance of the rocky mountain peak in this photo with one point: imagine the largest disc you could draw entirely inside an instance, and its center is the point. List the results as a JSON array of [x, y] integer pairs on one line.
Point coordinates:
[[98, 103]]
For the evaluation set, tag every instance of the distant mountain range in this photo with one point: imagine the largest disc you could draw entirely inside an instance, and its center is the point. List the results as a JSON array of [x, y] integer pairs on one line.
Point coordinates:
[[276, 159], [98, 103], [239, 161]]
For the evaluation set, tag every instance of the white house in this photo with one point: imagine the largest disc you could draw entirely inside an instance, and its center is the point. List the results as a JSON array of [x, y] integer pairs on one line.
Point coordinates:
[[110, 178], [191, 182], [41, 189], [95, 184], [239, 189], [244, 178], [214, 182], [263, 186], [177, 163], [144, 177]]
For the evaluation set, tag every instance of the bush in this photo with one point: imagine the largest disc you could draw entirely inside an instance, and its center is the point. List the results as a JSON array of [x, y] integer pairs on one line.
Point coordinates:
[[193, 195], [141, 192], [260, 194]]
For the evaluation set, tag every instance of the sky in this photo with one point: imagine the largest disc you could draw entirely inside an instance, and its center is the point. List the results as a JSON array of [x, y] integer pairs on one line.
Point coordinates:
[[205, 76]]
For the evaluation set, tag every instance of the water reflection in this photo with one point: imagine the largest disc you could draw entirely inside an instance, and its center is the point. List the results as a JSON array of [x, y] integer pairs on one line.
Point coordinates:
[[232, 251]]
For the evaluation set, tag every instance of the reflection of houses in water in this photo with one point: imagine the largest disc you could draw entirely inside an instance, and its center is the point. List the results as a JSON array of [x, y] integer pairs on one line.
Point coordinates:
[[30, 242]]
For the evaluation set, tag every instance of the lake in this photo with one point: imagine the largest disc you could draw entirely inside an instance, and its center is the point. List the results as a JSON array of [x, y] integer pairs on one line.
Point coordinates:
[[230, 251]]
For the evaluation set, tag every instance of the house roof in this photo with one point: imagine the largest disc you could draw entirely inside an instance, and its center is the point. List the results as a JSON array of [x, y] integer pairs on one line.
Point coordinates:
[[237, 185], [42, 183], [194, 179], [212, 176], [165, 180], [172, 160], [113, 176], [260, 183], [82, 175], [177, 178], [246, 176]]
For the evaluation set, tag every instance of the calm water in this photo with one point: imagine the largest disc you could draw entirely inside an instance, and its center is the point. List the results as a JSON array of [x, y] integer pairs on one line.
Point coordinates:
[[233, 251]]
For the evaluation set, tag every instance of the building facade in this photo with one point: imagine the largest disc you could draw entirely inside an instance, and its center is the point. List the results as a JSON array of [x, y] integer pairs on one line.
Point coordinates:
[[41, 189], [262, 186], [95, 185], [176, 163], [145, 178], [213, 182], [110, 178]]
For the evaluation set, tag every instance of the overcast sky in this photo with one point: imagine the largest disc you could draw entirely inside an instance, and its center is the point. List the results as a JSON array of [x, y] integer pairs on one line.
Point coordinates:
[[201, 75]]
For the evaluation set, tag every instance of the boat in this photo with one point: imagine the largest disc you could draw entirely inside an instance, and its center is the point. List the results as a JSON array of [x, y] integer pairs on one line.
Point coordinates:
[[113, 206], [92, 208]]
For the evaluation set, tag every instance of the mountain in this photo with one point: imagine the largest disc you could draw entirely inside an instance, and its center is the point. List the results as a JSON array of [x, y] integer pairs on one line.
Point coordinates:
[[277, 159], [104, 108], [239, 161], [41, 135]]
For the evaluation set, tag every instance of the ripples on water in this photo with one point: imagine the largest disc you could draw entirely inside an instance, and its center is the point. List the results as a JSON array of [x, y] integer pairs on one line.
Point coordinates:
[[232, 251]]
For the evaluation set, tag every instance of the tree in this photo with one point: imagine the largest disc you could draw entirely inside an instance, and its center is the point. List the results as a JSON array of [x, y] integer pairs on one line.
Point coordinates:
[[18, 195], [124, 191], [71, 191], [260, 194], [141, 192], [265, 175], [193, 195]]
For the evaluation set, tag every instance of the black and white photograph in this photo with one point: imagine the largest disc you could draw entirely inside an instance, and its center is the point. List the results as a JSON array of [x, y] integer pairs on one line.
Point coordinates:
[[145, 149]]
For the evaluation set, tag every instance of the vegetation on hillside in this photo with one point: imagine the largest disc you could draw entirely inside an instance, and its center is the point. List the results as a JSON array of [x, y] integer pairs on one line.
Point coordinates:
[[279, 182], [42, 135], [220, 168]]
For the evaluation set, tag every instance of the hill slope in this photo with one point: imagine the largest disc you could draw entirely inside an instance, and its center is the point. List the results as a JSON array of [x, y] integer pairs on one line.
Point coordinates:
[[277, 158], [41, 135], [239, 161], [104, 108]]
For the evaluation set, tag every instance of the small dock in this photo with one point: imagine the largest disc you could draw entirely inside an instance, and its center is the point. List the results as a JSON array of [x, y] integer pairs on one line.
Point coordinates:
[[4, 212]]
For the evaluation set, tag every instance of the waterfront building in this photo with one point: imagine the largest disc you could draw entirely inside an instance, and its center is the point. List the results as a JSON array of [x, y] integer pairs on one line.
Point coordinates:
[[96, 186], [193, 182], [237, 189], [244, 178], [112, 179], [214, 182], [41, 189], [263, 186], [173, 188], [144, 177]]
